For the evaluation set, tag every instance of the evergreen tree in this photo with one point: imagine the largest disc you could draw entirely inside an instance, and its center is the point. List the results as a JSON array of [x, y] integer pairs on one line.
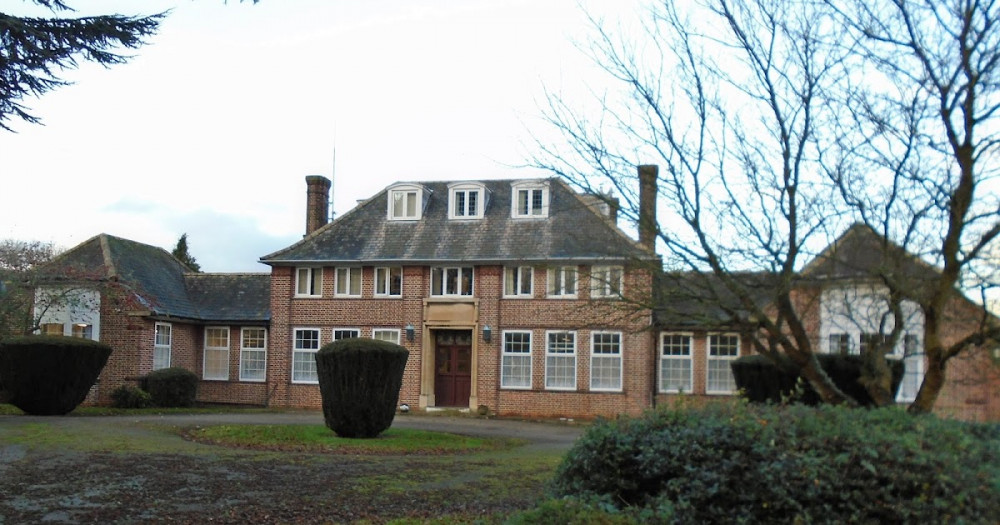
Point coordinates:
[[181, 253], [33, 49]]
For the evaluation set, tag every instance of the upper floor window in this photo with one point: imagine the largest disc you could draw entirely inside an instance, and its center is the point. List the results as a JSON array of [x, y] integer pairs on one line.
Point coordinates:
[[389, 281], [466, 201], [348, 282], [406, 202], [517, 281], [530, 199], [451, 281], [308, 282], [562, 281], [606, 281]]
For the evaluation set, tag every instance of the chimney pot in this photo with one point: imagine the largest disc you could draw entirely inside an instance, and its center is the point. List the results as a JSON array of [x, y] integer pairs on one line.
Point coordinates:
[[317, 202]]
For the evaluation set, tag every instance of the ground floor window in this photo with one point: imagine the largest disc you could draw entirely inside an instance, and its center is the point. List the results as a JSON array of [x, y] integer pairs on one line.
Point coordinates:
[[606, 361], [913, 374], [515, 361], [305, 345], [560, 360], [386, 334], [722, 350], [162, 340], [675, 363], [216, 357], [345, 333], [253, 354]]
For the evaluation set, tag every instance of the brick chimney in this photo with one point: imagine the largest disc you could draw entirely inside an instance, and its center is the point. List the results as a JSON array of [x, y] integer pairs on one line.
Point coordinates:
[[648, 174], [317, 202]]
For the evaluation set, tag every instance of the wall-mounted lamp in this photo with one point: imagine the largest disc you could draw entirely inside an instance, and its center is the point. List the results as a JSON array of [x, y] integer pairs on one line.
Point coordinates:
[[487, 333], [409, 333]]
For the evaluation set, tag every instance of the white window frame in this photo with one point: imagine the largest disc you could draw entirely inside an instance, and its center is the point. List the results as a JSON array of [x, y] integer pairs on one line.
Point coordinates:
[[511, 360], [298, 351], [312, 281], [532, 209], [250, 354], [383, 281], [159, 347], [465, 189], [396, 337], [611, 360], [406, 192], [517, 276], [557, 280], [604, 284], [440, 276], [346, 279], [723, 361], [217, 352], [837, 341], [339, 333], [554, 360], [668, 361], [913, 361]]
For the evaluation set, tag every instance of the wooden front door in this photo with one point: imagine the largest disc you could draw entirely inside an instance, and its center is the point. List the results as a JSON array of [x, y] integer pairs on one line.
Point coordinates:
[[453, 364]]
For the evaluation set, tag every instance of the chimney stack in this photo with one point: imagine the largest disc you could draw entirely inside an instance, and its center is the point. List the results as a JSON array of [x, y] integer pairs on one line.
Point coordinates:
[[317, 202], [648, 174]]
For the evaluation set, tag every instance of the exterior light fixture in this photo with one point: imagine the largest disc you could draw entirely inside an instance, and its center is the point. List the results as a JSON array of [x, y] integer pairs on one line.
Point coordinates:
[[487, 333], [409, 333]]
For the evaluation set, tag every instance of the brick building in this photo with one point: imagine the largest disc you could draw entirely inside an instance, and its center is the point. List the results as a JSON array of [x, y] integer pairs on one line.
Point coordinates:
[[520, 297]]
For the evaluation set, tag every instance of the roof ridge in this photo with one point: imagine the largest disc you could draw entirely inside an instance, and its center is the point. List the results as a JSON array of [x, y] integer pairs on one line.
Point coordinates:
[[109, 261]]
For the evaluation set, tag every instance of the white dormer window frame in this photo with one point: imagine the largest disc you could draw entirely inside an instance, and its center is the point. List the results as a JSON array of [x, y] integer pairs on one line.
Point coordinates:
[[405, 202], [466, 200], [529, 200]]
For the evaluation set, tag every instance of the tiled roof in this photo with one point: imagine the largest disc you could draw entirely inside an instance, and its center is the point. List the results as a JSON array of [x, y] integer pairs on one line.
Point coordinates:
[[861, 253], [699, 300], [165, 285], [572, 231]]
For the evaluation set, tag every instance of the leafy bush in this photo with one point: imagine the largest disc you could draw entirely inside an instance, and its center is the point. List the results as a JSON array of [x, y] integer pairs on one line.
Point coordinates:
[[763, 379], [572, 511], [771, 464], [172, 387], [359, 381], [50, 375], [130, 397]]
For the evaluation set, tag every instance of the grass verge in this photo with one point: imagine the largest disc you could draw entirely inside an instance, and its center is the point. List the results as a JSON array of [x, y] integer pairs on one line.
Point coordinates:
[[318, 438]]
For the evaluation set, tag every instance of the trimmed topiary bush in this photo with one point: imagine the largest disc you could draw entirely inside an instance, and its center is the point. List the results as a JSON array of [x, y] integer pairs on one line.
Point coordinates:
[[172, 387], [359, 381], [789, 464], [50, 375], [130, 397], [763, 380]]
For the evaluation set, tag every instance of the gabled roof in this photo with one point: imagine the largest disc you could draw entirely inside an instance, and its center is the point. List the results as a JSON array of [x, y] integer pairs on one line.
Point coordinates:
[[699, 300], [572, 231], [862, 253], [164, 285]]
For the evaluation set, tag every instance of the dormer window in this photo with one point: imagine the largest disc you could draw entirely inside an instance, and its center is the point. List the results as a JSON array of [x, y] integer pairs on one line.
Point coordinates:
[[530, 200], [406, 202], [466, 201]]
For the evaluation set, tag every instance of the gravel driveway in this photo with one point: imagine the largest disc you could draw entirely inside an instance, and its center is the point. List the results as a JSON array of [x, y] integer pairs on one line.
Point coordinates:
[[134, 469]]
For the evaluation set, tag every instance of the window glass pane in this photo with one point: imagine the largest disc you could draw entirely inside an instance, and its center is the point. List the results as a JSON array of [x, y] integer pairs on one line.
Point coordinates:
[[536, 202], [522, 202], [437, 281], [451, 281], [466, 281], [411, 204], [395, 281], [473, 203], [459, 203]]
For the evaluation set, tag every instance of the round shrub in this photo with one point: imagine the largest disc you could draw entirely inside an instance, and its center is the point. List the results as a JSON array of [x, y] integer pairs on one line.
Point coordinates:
[[766, 380], [359, 381], [130, 397], [792, 464], [50, 375], [172, 387]]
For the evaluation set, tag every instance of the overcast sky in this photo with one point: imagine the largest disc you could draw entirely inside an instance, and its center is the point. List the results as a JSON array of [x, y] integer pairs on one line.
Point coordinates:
[[211, 129]]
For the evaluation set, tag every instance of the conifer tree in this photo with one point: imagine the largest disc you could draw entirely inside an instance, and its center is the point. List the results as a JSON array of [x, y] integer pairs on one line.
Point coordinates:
[[181, 253], [34, 50]]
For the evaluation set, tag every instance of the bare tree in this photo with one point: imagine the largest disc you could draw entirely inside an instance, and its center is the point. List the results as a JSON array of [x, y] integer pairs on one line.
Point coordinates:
[[18, 259], [767, 118], [923, 139]]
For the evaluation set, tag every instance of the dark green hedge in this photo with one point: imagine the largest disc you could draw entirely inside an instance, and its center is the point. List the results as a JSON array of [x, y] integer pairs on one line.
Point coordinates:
[[130, 397], [50, 375], [788, 464], [171, 387], [359, 381], [763, 379]]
